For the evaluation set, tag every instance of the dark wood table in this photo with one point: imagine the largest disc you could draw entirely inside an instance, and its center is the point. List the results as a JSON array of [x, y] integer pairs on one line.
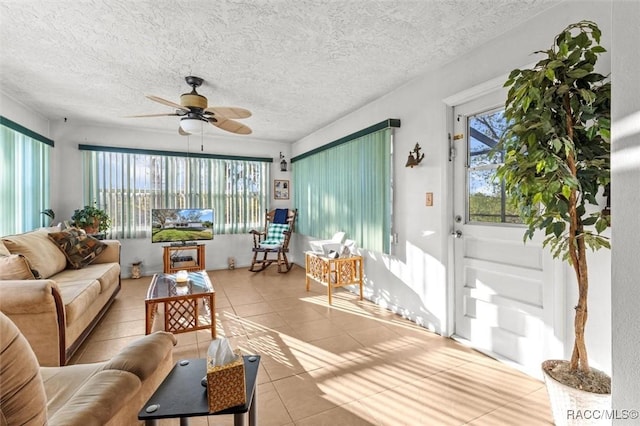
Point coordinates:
[[181, 395]]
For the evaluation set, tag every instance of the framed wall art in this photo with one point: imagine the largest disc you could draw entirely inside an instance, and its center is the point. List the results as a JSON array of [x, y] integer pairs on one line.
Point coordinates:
[[281, 189]]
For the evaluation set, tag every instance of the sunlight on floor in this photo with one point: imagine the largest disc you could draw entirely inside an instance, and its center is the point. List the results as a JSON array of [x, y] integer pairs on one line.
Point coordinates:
[[351, 363]]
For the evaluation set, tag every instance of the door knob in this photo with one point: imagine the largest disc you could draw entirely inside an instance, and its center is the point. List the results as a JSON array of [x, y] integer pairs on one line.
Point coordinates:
[[457, 234]]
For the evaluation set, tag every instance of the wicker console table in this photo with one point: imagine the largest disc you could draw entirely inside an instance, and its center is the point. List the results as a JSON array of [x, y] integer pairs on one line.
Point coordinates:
[[333, 273]]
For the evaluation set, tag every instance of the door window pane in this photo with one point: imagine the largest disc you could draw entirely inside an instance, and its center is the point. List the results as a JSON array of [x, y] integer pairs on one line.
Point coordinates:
[[486, 201]]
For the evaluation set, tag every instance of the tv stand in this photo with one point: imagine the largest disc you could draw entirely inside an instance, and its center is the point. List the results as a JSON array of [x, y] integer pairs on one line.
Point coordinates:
[[183, 257], [181, 244]]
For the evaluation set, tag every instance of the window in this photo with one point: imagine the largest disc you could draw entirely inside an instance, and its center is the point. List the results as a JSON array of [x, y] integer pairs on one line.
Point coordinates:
[[129, 183], [487, 201], [347, 187], [24, 177]]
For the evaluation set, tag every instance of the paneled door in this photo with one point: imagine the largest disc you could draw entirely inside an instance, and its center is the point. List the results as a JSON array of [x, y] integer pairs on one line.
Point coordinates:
[[504, 289]]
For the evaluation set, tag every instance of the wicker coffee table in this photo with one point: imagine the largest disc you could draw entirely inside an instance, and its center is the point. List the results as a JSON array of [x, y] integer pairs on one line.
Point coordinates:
[[188, 306]]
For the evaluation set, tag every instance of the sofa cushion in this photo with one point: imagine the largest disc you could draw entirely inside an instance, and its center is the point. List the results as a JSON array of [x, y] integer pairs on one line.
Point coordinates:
[[79, 248], [43, 255], [60, 384], [22, 396], [77, 297], [108, 274], [15, 267]]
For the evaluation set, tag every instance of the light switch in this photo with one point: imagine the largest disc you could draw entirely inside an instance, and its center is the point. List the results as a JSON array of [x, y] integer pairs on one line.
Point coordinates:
[[429, 199]]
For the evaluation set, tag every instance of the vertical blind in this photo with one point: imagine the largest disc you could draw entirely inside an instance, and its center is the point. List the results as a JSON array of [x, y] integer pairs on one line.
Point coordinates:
[[347, 188], [24, 177], [128, 185]]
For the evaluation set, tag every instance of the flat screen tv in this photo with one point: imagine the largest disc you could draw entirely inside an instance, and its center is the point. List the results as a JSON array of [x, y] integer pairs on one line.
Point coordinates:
[[179, 226]]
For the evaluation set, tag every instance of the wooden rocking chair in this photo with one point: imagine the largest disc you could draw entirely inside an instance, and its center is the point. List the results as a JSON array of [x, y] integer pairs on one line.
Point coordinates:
[[272, 244]]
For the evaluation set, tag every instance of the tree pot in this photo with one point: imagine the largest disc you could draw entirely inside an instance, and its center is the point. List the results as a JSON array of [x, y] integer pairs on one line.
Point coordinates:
[[571, 406]]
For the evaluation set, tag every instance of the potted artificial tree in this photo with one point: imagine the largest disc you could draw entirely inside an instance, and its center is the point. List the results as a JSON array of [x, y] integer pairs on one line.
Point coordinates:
[[92, 219], [557, 154]]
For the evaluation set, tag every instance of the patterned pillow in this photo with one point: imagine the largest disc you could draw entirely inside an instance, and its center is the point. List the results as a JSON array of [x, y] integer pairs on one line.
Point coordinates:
[[79, 248], [15, 267], [275, 235]]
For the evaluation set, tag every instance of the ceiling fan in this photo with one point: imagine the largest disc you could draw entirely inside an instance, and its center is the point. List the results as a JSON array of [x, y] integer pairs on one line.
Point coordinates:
[[194, 110]]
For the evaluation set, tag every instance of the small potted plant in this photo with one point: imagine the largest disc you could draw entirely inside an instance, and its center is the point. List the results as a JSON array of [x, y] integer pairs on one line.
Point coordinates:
[[50, 214], [557, 162], [92, 219]]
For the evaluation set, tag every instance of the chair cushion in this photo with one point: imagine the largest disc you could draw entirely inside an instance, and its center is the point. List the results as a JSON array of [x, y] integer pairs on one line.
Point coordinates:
[[275, 235], [22, 396], [15, 267], [281, 216], [98, 400], [79, 248]]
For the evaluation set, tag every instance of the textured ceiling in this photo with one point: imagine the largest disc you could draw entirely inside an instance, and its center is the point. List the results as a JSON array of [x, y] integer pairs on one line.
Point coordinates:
[[297, 65]]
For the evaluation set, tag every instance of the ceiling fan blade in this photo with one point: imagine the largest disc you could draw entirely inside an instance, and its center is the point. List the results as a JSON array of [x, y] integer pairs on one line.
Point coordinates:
[[182, 132], [229, 112], [166, 102], [231, 126], [153, 115]]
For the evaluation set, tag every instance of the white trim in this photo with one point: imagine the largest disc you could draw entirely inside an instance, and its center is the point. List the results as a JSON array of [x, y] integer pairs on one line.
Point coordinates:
[[476, 91], [481, 89]]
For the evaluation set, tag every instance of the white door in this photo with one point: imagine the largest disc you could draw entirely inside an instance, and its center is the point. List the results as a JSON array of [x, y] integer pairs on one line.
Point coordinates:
[[504, 289]]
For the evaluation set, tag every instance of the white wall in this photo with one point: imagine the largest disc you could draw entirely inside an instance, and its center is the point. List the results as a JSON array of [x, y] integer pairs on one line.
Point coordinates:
[[413, 280], [625, 205], [23, 115]]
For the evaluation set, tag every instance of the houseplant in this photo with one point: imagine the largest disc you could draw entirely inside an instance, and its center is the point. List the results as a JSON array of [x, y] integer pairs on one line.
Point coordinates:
[[92, 219], [557, 153], [50, 214]]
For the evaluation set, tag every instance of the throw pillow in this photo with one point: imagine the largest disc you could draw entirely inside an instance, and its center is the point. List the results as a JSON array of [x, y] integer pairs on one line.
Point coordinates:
[[79, 248], [15, 267], [43, 255]]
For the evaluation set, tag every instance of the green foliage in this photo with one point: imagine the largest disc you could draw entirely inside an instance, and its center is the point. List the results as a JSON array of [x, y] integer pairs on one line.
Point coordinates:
[[50, 214], [557, 142], [86, 215], [488, 208]]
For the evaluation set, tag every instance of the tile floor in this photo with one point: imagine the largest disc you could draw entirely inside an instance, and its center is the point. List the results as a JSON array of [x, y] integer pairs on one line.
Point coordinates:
[[350, 364]]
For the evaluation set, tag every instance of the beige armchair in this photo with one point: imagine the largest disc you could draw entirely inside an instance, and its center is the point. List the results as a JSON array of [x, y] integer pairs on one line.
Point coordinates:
[[104, 393]]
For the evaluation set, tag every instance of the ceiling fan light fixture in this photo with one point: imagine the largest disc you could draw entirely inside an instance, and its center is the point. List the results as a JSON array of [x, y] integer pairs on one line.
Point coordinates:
[[191, 125]]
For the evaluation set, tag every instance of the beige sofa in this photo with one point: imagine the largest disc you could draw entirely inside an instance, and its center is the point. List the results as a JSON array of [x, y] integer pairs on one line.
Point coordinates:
[[55, 306], [105, 393]]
